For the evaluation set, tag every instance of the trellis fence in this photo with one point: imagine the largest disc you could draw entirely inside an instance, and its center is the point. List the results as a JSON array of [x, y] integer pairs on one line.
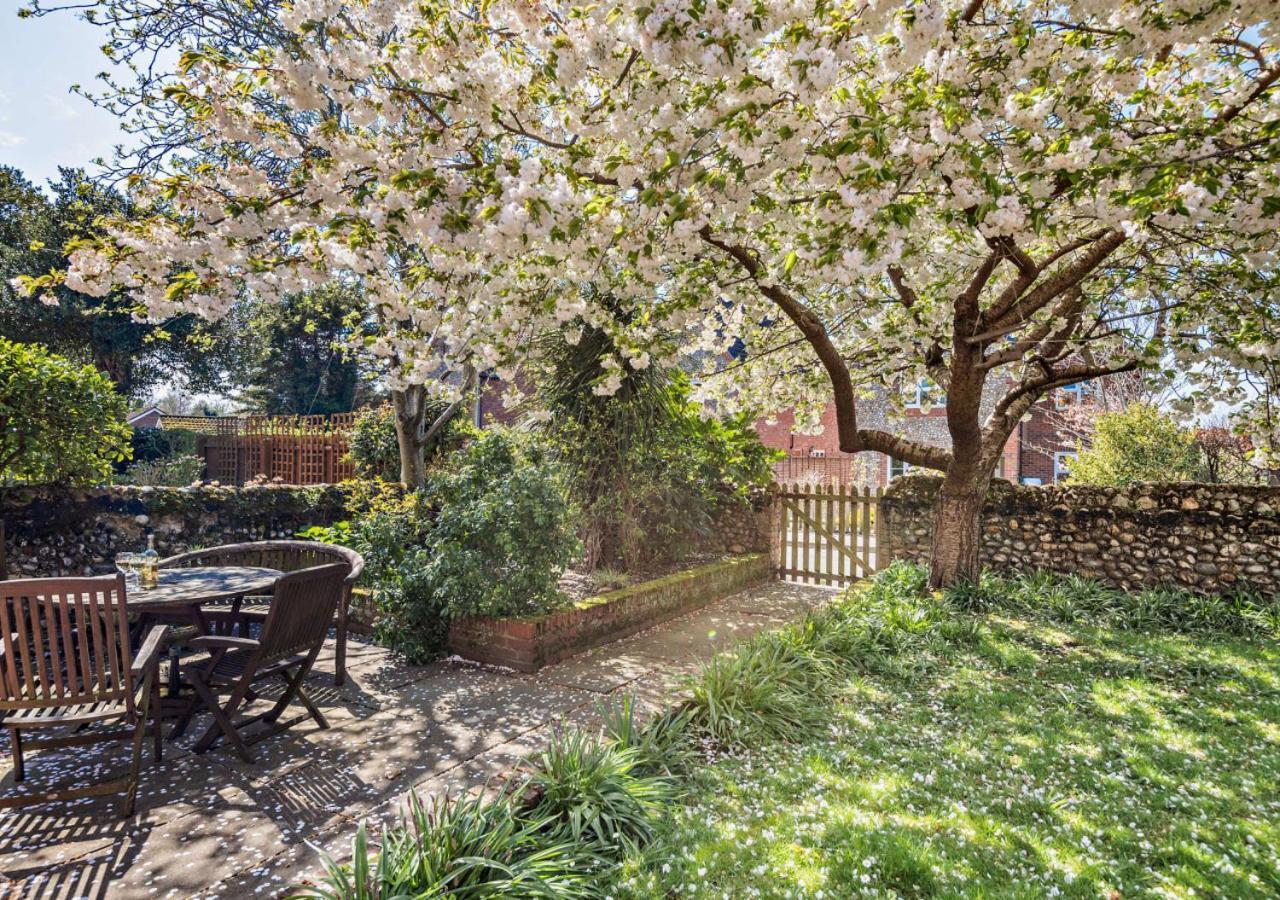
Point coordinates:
[[293, 449], [812, 470], [828, 533]]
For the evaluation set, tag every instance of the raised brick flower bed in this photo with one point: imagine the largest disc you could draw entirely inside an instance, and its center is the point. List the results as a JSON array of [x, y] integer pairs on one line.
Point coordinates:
[[529, 644]]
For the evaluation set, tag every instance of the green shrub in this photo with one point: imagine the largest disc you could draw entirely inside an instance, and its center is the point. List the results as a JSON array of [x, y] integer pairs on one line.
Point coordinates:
[[375, 452], [372, 444], [170, 471], [1139, 443], [502, 533], [389, 528], [597, 794], [466, 846], [151, 444], [648, 470], [59, 422], [488, 535]]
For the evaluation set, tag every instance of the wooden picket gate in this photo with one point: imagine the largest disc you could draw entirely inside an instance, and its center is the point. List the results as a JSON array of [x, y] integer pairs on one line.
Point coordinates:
[[828, 534]]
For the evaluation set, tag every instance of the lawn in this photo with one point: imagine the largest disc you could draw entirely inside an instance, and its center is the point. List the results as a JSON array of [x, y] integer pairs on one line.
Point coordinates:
[[1014, 754]]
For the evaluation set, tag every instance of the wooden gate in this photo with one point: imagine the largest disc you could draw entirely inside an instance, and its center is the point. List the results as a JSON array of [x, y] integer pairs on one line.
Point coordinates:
[[828, 534]]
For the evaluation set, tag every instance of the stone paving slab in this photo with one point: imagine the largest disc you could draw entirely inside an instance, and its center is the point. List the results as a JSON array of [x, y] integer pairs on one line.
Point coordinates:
[[212, 826]]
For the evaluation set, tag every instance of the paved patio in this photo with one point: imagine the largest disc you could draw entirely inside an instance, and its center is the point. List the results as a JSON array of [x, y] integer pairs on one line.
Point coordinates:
[[213, 827]]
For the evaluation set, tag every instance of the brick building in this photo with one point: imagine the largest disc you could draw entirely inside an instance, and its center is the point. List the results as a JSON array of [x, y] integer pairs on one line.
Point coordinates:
[[1038, 452]]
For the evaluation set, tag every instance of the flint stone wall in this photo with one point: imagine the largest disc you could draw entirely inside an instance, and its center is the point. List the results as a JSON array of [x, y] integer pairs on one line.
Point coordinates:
[[739, 528], [66, 531], [1209, 538]]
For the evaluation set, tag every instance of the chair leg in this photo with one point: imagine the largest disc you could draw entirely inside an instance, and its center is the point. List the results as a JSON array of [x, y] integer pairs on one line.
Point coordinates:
[[157, 734], [221, 719], [311, 707], [285, 699], [139, 738], [340, 651], [295, 689], [180, 727], [15, 741]]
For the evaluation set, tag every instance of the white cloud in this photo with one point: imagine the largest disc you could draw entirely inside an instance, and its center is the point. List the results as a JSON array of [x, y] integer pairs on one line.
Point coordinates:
[[60, 107], [9, 139]]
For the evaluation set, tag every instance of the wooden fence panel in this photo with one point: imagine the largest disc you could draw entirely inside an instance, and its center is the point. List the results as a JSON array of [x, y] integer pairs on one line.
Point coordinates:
[[828, 534], [295, 449]]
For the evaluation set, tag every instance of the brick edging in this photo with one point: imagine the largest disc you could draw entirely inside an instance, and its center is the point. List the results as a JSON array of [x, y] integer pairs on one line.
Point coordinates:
[[528, 644]]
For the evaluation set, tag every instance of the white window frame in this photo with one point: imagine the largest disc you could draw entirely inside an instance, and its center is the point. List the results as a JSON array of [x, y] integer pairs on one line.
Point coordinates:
[[1070, 395], [925, 388], [905, 467], [1060, 471]]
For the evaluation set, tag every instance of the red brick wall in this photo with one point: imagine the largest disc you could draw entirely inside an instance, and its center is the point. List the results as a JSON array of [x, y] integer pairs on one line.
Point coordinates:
[[1040, 439], [529, 644], [491, 411]]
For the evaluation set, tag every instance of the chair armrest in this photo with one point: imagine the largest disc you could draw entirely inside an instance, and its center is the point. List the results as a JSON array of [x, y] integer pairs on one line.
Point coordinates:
[[149, 652], [222, 642]]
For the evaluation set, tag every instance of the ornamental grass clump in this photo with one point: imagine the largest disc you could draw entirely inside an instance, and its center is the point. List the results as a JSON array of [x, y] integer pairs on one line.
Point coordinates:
[[1077, 599], [767, 689], [780, 685], [595, 793], [663, 745], [461, 847]]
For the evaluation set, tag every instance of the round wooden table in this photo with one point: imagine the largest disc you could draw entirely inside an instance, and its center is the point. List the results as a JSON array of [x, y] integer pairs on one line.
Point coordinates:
[[183, 590]]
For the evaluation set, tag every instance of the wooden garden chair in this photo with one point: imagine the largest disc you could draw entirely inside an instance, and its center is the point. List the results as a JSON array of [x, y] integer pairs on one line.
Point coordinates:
[[296, 624], [65, 664], [287, 556]]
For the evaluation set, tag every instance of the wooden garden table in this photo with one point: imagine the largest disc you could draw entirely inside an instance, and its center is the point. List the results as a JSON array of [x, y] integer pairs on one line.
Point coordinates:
[[182, 592]]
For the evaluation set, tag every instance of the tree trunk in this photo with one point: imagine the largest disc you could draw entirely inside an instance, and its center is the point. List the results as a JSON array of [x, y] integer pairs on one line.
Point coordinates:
[[413, 435], [411, 408], [957, 527]]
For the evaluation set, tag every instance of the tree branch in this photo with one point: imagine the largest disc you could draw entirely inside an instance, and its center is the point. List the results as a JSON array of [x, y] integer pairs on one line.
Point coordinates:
[[1065, 278], [852, 439]]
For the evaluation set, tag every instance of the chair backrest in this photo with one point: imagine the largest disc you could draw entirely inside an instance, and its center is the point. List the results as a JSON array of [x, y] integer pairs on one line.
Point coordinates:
[[66, 642], [301, 611], [287, 556]]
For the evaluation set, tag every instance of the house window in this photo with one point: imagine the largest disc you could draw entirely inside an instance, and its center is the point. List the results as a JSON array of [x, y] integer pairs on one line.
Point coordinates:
[[817, 454], [925, 395], [1062, 465], [1070, 395], [898, 468]]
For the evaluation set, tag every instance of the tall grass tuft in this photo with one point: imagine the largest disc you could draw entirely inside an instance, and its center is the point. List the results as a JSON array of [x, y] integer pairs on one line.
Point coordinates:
[[663, 745], [1078, 599], [595, 793], [767, 689], [461, 847]]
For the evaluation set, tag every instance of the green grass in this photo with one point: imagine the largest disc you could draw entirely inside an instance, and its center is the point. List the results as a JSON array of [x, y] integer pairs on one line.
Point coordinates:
[[1015, 752]]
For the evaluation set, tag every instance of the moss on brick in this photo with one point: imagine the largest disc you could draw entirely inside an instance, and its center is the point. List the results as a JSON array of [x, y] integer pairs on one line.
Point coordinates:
[[555, 636]]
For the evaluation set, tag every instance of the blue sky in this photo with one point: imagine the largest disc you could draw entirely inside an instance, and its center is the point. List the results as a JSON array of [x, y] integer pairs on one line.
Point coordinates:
[[42, 124]]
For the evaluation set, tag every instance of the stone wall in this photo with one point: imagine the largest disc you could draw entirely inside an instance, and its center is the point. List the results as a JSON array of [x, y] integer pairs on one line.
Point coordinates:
[[66, 531], [740, 528], [1207, 538]]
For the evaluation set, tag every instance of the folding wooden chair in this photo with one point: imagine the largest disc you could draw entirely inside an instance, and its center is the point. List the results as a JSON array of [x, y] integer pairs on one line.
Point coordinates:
[[297, 622], [65, 663], [287, 556]]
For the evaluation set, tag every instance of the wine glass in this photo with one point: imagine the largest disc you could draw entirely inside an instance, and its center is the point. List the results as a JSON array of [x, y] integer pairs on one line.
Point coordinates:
[[128, 564]]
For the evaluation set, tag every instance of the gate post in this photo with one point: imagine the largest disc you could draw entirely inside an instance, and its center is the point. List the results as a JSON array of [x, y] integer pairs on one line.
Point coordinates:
[[775, 530]]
